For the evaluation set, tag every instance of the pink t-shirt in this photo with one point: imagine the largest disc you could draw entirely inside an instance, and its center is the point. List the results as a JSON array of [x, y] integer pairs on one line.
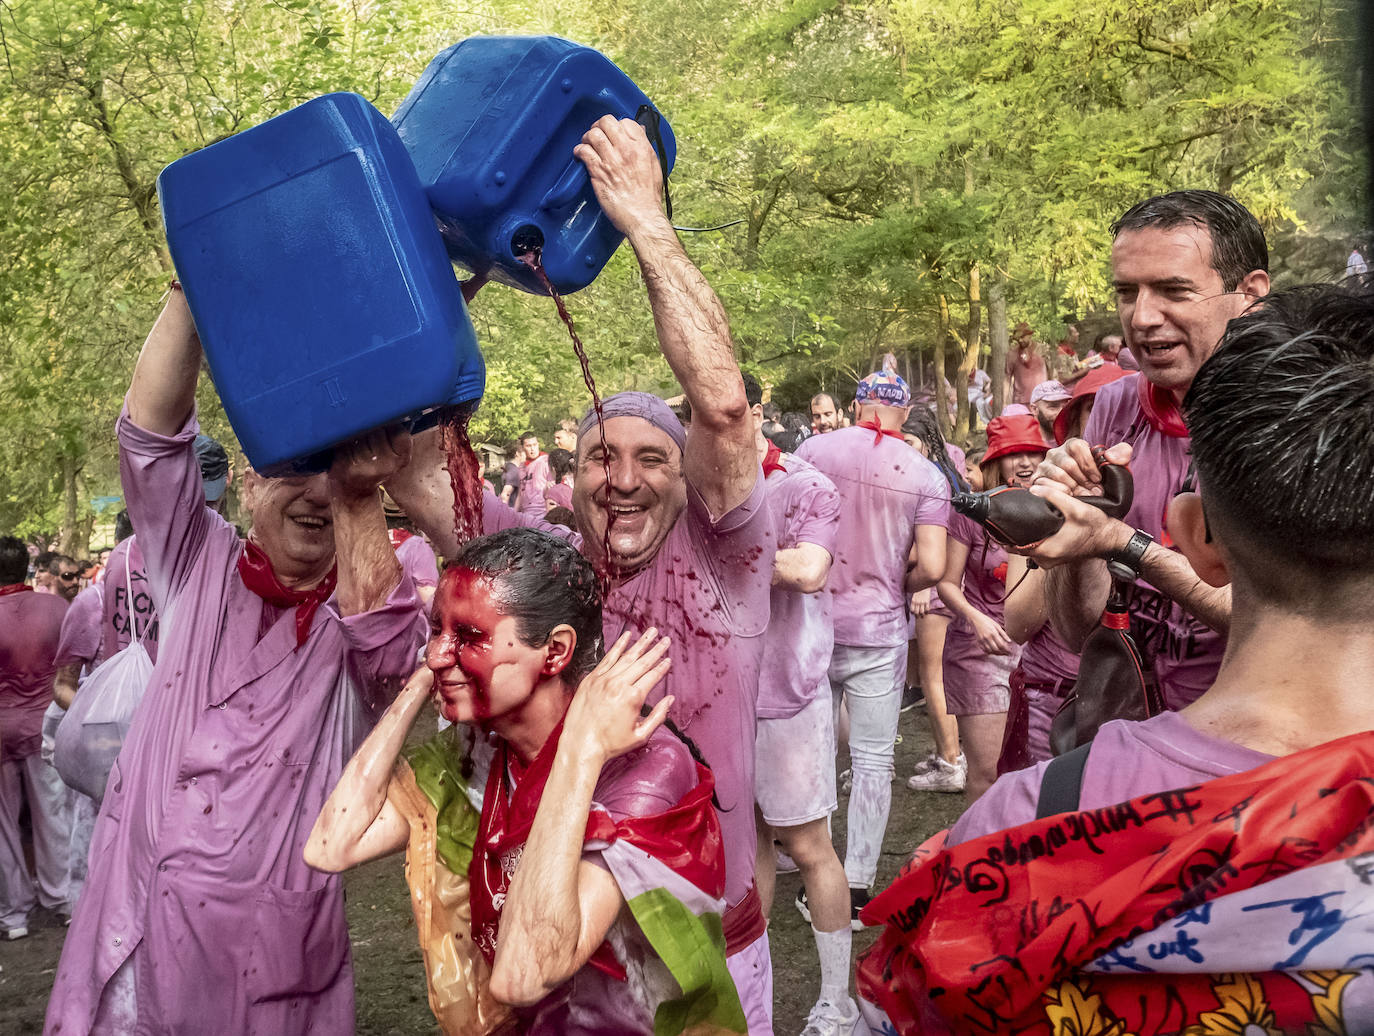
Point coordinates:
[[126, 604], [81, 629], [708, 589], [1185, 653], [1127, 760], [416, 558], [1047, 658], [534, 476], [1025, 374], [30, 627], [800, 638], [887, 489], [985, 572], [560, 494]]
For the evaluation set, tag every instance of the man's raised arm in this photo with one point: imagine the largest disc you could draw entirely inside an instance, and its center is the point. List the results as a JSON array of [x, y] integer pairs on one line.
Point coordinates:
[[720, 460], [164, 384]]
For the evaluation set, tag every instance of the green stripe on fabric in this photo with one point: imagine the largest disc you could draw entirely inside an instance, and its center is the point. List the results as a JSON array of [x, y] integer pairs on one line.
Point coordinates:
[[693, 949], [438, 772]]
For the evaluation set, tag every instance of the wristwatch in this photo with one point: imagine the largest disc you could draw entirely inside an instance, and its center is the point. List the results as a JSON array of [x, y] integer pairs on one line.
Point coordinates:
[[1125, 563]]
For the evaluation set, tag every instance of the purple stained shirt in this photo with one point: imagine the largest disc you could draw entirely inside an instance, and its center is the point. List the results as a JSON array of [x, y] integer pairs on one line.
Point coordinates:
[[534, 476], [1186, 654], [237, 743], [887, 489], [560, 493], [1127, 760], [30, 629], [80, 643], [126, 605], [800, 639], [708, 589], [1047, 658], [417, 558], [985, 572]]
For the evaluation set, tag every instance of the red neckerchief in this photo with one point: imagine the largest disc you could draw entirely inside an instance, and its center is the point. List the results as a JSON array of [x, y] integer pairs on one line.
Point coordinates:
[[14, 588], [772, 461], [397, 537], [502, 831], [873, 426], [1160, 410], [1071, 887], [256, 572]]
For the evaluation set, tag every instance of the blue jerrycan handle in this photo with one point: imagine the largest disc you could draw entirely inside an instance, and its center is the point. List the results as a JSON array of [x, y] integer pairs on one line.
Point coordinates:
[[574, 178]]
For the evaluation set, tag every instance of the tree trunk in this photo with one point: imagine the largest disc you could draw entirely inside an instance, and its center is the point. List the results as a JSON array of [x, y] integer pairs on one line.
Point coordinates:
[[968, 357], [67, 536], [998, 336], [938, 362]]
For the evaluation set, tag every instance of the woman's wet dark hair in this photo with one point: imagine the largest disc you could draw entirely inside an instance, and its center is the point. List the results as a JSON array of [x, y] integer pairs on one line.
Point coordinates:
[[922, 424], [541, 582]]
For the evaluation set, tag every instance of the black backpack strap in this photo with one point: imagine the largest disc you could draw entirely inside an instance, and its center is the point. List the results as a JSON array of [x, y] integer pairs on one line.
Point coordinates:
[[1062, 783]]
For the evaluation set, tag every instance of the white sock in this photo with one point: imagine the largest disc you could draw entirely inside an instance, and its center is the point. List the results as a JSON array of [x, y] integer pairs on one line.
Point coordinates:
[[833, 949]]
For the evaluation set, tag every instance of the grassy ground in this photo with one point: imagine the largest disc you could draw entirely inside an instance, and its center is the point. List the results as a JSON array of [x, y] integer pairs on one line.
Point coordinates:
[[390, 984]]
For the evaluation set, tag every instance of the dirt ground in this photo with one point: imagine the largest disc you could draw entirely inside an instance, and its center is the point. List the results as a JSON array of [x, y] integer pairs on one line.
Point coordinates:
[[390, 984]]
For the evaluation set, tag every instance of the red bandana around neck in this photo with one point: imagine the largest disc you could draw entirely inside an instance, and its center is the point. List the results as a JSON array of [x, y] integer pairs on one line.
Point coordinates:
[[256, 572], [1160, 410], [14, 588], [873, 426], [772, 461], [397, 537]]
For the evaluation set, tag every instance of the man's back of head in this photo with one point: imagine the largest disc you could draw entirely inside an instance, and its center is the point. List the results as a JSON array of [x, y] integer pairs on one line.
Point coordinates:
[[14, 560], [1281, 418]]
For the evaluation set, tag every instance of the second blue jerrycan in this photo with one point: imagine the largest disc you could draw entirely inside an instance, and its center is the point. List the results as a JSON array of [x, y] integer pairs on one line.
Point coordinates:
[[323, 296], [491, 127]]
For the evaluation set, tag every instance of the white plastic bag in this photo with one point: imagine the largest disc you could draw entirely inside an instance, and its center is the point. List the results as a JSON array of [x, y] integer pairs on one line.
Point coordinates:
[[92, 732]]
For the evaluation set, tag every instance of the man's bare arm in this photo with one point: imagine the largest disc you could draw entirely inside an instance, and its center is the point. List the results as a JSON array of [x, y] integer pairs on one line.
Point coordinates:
[[163, 390], [422, 489], [368, 568], [64, 684], [802, 568], [926, 562], [721, 460], [358, 823]]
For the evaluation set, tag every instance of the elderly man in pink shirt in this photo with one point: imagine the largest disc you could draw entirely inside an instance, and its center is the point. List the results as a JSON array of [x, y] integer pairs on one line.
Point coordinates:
[[680, 530], [1184, 265], [275, 655]]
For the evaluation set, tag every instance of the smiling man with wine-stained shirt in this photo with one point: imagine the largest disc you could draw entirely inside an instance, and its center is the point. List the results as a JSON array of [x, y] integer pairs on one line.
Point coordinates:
[[676, 523]]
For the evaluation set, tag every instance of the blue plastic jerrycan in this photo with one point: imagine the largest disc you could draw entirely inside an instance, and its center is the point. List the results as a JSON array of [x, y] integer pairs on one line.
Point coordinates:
[[491, 127], [324, 298]]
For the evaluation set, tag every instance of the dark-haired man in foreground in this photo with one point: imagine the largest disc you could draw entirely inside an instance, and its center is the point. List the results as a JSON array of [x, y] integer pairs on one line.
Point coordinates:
[[1184, 264], [1245, 895]]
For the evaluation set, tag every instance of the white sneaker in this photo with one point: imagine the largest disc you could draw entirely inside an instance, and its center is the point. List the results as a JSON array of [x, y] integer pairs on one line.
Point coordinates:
[[18, 932], [941, 776], [827, 1019], [926, 764]]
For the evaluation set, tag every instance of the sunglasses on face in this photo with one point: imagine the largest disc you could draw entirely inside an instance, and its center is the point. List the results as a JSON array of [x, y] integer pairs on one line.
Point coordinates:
[[69, 576]]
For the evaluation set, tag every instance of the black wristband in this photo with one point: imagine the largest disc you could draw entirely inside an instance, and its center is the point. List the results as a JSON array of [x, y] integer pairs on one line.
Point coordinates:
[[1125, 563]]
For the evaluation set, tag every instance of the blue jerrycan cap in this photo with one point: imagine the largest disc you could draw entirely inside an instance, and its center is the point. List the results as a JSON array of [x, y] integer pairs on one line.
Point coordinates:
[[321, 290], [491, 126]]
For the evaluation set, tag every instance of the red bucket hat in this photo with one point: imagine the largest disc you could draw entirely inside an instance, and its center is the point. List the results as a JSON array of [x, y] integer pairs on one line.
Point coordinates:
[[1084, 389], [1018, 434]]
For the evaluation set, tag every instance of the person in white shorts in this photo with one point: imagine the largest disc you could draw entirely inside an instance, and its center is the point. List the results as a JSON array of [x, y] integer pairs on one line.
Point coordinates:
[[794, 771]]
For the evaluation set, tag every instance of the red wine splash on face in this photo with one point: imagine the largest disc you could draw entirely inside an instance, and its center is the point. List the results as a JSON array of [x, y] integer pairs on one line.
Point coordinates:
[[531, 259], [464, 474]]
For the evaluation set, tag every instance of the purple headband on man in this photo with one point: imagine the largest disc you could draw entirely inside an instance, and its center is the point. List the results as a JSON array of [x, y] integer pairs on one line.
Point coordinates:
[[635, 404]]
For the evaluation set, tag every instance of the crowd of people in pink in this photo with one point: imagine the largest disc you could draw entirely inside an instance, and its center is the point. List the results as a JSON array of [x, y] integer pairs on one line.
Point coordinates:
[[680, 625]]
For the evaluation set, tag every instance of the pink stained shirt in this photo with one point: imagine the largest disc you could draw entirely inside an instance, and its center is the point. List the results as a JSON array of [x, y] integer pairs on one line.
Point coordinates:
[[1186, 654], [985, 572], [417, 558], [80, 643], [708, 589], [30, 629], [126, 604], [800, 639], [559, 493], [1126, 760], [237, 743], [1025, 374], [534, 476], [887, 489], [1045, 657]]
